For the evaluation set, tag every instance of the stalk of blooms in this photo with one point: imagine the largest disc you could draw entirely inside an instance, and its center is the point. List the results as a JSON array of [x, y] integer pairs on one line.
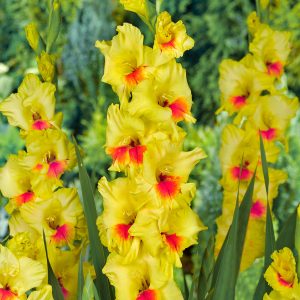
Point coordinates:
[[147, 220], [250, 91], [37, 199]]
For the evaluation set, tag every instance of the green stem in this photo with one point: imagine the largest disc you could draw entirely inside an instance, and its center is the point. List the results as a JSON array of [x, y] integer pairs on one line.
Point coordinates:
[[258, 8]]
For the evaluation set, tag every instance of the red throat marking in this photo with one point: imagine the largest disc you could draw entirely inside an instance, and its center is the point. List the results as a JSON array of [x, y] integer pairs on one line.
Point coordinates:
[[243, 174], [126, 154], [7, 295], [63, 234], [284, 282], [122, 231], [136, 154], [168, 186], [135, 77], [56, 168], [147, 295], [179, 108], [269, 134], [275, 69], [167, 45], [238, 101], [40, 125], [63, 289], [173, 241], [258, 209], [24, 198]]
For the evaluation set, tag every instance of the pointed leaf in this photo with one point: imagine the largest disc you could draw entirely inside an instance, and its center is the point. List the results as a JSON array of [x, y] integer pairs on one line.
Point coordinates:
[[80, 278], [206, 270], [186, 289], [264, 163], [52, 280], [54, 24], [97, 249], [286, 237], [270, 245], [229, 263], [88, 291]]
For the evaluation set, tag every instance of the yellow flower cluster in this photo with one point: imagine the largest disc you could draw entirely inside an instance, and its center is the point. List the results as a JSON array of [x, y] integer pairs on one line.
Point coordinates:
[[252, 91], [282, 276], [147, 220], [38, 201]]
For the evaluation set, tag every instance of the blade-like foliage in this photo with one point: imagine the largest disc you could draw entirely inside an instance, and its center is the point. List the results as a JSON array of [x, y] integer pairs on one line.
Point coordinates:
[[97, 249], [206, 270], [286, 237], [88, 291], [270, 245], [186, 289], [228, 262], [54, 24], [52, 280], [80, 278]]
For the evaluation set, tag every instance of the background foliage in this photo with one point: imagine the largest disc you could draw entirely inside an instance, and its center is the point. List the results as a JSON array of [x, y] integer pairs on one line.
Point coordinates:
[[219, 29]]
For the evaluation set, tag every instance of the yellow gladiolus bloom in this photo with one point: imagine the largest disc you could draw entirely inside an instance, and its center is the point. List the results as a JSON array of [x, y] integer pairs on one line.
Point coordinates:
[[165, 172], [271, 116], [120, 210], [166, 234], [240, 85], [167, 97], [281, 274], [32, 108], [272, 48], [145, 279], [18, 275], [137, 6], [15, 183], [170, 37], [127, 61], [49, 155], [61, 217], [124, 139]]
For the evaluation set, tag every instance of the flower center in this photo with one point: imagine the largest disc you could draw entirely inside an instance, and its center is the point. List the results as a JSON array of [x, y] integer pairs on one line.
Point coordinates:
[[6, 294], [239, 101], [275, 68], [173, 241], [136, 76], [147, 295], [269, 134], [258, 209], [168, 186], [241, 173], [122, 231]]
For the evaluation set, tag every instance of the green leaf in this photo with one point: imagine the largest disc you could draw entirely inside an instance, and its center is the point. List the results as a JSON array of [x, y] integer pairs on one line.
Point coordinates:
[[54, 25], [264, 163], [228, 262], [96, 295], [286, 237], [52, 280], [206, 270], [270, 245], [88, 291], [97, 249], [186, 289], [80, 278]]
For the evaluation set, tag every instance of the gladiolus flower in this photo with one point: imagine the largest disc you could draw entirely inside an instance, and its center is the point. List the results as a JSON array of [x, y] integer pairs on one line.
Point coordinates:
[[170, 37]]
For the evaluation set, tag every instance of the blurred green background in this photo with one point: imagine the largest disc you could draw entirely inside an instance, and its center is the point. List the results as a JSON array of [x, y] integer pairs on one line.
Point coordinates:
[[220, 31]]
